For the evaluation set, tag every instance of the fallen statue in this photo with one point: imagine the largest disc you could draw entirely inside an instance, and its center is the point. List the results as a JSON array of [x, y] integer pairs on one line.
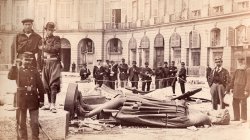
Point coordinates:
[[134, 109]]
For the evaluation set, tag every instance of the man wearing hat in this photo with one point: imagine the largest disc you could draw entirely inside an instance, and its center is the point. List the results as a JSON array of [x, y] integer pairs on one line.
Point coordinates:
[[84, 72], [166, 75], [159, 75], [27, 41], [182, 77], [29, 96], [134, 72], [172, 76], [218, 81], [51, 46], [113, 74], [98, 73], [123, 73], [239, 86], [146, 77]]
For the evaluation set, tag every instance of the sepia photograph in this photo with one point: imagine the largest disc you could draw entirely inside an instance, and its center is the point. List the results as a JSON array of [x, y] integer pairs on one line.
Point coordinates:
[[124, 69]]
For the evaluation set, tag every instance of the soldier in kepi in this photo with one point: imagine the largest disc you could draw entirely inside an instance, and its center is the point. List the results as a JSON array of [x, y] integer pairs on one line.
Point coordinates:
[[30, 95], [172, 77], [159, 75], [113, 74], [123, 70], [84, 72], [51, 46]]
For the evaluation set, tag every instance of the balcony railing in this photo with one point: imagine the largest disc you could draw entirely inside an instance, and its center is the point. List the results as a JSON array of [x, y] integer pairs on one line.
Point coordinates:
[[110, 26], [87, 26]]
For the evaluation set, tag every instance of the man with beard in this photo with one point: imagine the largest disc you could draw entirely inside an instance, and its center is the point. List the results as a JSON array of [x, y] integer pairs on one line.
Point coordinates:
[[98, 73], [51, 74], [134, 72], [146, 77]]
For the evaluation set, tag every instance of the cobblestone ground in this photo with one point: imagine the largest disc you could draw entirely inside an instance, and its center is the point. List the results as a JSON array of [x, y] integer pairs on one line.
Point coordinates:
[[234, 131]]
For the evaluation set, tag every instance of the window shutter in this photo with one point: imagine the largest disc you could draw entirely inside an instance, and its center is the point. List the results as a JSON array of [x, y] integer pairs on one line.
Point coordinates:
[[107, 12], [175, 40], [248, 34], [159, 41], [195, 39], [231, 36], [132, 43]]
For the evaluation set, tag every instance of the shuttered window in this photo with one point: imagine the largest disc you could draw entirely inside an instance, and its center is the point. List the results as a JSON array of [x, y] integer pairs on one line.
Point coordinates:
[[194, 37], [132, 43], [175, 40], [240, 35], [215, 37], [134, 10], [159, 41], [231, 36], [145, 42]]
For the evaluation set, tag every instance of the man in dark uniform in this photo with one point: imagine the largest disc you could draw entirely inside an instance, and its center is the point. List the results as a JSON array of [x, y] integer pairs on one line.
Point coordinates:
[[166, 74], [134, 72], [159, 75], [172, 75], [28, 41], [146, 77], [106, 75], [98, 73], [30, 95], [84, 72], [51, 46], [218, 81], [123, 68], [113, 74], [182, 77], [73, 67], [208, 72]]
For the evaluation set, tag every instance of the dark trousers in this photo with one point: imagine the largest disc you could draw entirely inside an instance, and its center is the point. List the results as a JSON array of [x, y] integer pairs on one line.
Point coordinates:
[[144, 85], [165, 82], [124, 83], [112, 84], [173, 86], [158, 83], [34, 124], [217, 93], [135, 84], [51, 97], [182, 85], [97, 82], [240, 108]]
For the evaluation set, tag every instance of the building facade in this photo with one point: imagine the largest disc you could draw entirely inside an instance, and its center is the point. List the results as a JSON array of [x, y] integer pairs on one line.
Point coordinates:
[[190, 31]]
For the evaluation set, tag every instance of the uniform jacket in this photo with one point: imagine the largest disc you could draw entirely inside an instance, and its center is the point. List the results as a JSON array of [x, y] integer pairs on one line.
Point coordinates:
[[123, 68], [84, 73], [239, 83], [28, 78], [159, 73], [134, 73], [183, 75], [166, 72], [146, 73], [172, 71], [223, 77], [114, 70], [22, 43], [98, 72], [52, 46]]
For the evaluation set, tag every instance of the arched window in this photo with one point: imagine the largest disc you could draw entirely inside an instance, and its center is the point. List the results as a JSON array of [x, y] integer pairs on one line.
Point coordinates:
[[158, 50], [195, 45], [114, 46], [159, 41], [145, 42], [215, 37], [175, 44], [86, 46], [132, 45]]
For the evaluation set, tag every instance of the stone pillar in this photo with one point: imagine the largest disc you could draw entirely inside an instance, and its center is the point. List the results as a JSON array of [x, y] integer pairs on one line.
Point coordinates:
[[9, 12], [52, 17], [75, 21], [31, 9], [99, 14]]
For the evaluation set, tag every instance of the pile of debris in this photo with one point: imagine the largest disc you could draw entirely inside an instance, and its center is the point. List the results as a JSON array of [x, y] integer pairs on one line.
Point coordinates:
[[131, 107]]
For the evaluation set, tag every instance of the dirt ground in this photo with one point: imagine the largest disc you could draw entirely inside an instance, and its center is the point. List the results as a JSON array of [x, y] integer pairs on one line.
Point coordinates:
[[234, 131]]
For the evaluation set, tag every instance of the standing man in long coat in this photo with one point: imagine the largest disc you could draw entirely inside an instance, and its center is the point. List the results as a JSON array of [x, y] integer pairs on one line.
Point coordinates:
[[51, 74], [172, 71], [146, 77], [98, 73], [134, 72], [123, 73], [166, 74], [113, 74], [159, 75], [182, 77]]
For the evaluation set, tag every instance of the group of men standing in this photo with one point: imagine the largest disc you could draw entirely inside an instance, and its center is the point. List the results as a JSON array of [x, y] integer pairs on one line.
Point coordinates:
[[164, 76], [36, 69]]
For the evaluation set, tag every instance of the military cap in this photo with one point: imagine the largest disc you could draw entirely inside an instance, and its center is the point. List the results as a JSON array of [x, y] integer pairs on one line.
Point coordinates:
[[182, 63], [218, 59], [134, 62], [112, 61], [173, 61], [165, 62], [28, 55], [27, 20], [84, 64], [99, 60], [123, 59], [241, 58], [50, 26], [146, 63]]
